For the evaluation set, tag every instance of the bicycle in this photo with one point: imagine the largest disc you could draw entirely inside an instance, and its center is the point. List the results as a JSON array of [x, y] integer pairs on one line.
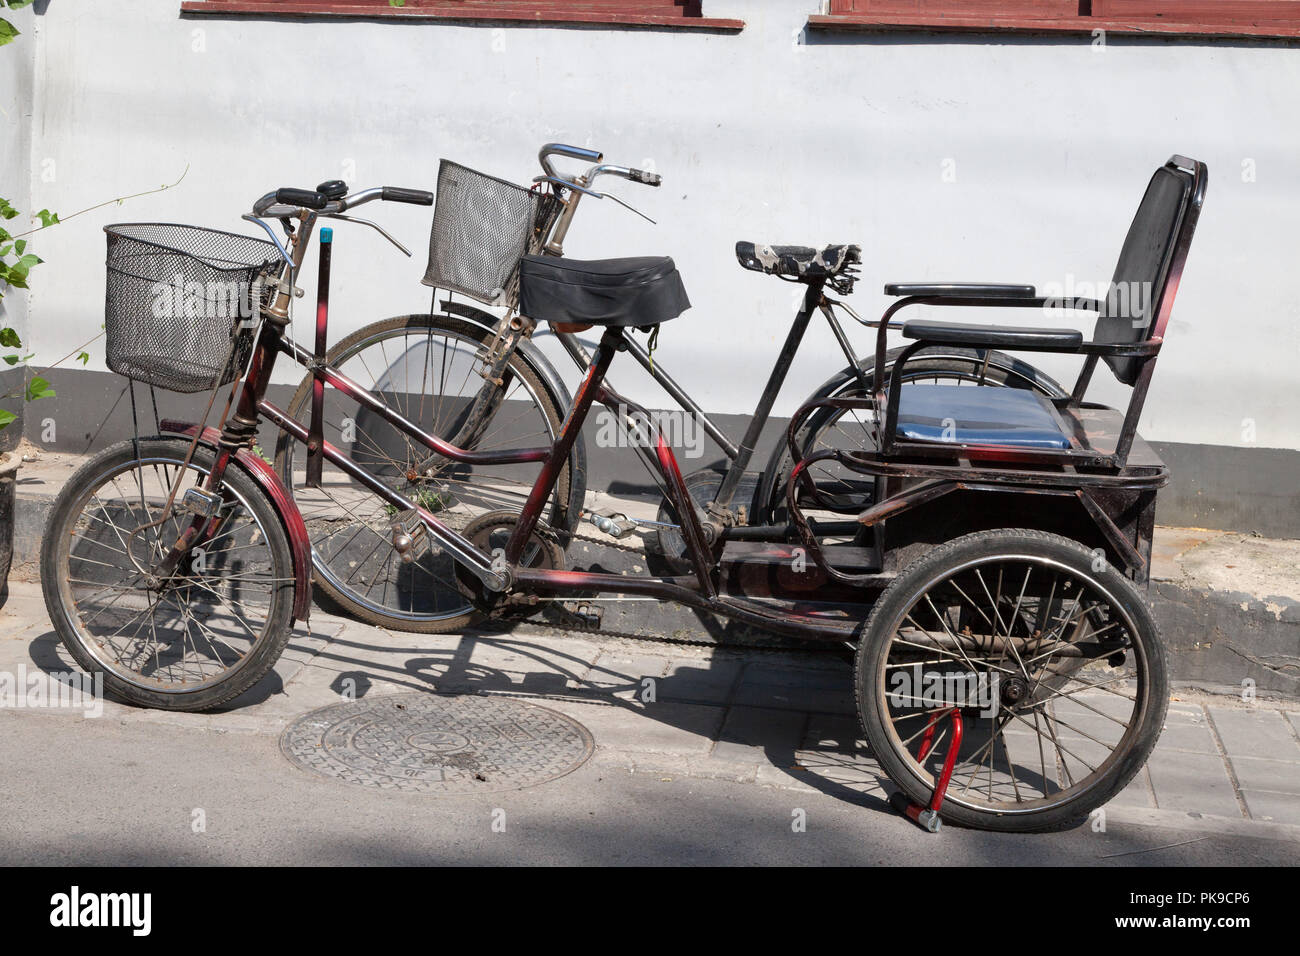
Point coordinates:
[[954, 643], [482, 225]]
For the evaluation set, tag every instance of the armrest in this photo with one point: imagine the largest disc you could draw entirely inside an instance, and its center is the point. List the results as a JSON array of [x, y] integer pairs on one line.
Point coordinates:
[[967, 290], [1002, 336]]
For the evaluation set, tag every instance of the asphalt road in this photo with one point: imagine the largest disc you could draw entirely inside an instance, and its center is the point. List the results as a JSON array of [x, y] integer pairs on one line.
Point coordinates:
[[114, 791]]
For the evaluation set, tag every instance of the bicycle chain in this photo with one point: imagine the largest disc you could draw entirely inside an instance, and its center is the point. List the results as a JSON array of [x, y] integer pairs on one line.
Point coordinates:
[[606, 542]]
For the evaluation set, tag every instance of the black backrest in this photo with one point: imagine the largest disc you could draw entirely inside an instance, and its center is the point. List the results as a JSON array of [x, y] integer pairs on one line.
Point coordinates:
[[1140, 291]]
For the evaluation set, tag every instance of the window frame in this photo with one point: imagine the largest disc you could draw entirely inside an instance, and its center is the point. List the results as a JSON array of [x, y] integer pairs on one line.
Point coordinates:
[[622, 13], [1161, 18]]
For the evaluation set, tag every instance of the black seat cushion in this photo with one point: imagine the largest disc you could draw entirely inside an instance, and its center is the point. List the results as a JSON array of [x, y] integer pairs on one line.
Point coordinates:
[[1002, 336], [640, 291], [800, 262]]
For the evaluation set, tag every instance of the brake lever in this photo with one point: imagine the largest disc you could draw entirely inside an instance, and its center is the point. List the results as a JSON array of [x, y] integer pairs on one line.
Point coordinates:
[[373, 225]]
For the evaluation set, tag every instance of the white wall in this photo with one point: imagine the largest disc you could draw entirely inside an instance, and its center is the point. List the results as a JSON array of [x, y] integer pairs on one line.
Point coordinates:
[[842, 138]]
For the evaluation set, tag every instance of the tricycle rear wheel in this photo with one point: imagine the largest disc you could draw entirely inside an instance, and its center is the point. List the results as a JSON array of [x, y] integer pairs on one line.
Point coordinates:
[[1053, 657]]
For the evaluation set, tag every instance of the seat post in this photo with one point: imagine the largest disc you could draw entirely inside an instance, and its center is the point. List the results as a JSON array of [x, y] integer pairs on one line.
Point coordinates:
[[811, 301]]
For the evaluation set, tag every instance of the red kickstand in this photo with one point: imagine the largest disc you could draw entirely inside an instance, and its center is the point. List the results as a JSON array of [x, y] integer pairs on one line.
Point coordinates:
[[928, 817]]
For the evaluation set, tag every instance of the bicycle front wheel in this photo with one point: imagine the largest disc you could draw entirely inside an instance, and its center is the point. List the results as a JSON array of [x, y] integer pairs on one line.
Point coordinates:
[[425, 367], [205, 633]]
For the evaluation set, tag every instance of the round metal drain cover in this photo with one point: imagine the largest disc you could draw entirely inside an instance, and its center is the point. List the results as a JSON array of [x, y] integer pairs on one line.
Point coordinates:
[[431, 743]]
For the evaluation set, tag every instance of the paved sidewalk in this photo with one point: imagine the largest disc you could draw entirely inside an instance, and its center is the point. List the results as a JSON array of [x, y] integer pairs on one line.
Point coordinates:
[[771, 722]]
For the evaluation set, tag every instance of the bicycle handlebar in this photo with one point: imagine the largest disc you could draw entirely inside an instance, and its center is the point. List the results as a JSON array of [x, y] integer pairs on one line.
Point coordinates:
[[573, 152], [601, 169], [625, 172], [317, 201]]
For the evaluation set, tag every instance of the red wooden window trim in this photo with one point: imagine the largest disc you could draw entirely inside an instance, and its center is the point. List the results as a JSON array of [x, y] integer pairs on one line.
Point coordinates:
[[1264, 18], [684, 14]]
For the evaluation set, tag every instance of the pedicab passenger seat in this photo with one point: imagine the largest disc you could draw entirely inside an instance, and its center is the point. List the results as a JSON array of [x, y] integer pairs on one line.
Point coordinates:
[[937, 422]]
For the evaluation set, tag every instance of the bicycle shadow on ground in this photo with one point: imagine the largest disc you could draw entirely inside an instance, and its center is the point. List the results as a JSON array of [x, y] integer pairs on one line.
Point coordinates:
[[823, 751], [47, 653]]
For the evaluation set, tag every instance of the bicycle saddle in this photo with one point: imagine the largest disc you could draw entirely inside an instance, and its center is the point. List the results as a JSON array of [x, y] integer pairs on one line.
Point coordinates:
[[798, 262], [639, 292]]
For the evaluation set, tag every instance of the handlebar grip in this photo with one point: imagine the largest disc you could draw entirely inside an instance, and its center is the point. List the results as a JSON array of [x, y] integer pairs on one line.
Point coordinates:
[[641, 176], [307, 198], [417, 197]]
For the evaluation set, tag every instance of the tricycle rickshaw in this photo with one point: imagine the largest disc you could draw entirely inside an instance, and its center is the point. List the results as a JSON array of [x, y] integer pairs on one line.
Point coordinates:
[[1009, 673]]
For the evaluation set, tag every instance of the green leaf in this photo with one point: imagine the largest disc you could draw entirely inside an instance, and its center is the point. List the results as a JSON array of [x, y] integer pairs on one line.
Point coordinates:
[[19, 4], [7, 31], [83, 357], [19, 246], [19, 270], [48, 218], [7, 418], [11, 359], [6, 210], [39, 388], [9, 337], [4, 250]]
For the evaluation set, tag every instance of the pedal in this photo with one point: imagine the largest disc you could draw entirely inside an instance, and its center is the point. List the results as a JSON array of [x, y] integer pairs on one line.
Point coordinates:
[[588, 615], [613, 523], [204, 504]]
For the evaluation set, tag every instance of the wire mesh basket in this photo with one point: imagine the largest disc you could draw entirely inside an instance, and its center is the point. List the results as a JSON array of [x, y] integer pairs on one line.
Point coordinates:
[[481, 228], [181, 302]]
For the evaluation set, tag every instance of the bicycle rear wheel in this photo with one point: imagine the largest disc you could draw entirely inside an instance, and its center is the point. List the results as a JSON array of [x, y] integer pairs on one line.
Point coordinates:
[[210, 630], [426, 368]]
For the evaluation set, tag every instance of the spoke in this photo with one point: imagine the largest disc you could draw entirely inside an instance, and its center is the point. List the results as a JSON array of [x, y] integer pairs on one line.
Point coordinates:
[[1011, 770], [954, 657], [947, 630]]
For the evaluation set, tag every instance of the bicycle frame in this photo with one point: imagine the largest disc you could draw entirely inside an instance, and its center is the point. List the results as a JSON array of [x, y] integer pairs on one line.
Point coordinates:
[[739, 456], [500, 572], [510, 327]]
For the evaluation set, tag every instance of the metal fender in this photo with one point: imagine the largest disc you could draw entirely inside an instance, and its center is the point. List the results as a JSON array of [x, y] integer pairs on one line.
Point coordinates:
[[285, 507]]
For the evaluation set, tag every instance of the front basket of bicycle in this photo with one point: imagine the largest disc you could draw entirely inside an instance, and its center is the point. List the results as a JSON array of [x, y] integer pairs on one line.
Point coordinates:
[[182, 302], [481, 229]]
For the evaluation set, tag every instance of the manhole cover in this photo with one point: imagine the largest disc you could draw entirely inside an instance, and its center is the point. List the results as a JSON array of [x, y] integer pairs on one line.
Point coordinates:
[[431, 743]]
